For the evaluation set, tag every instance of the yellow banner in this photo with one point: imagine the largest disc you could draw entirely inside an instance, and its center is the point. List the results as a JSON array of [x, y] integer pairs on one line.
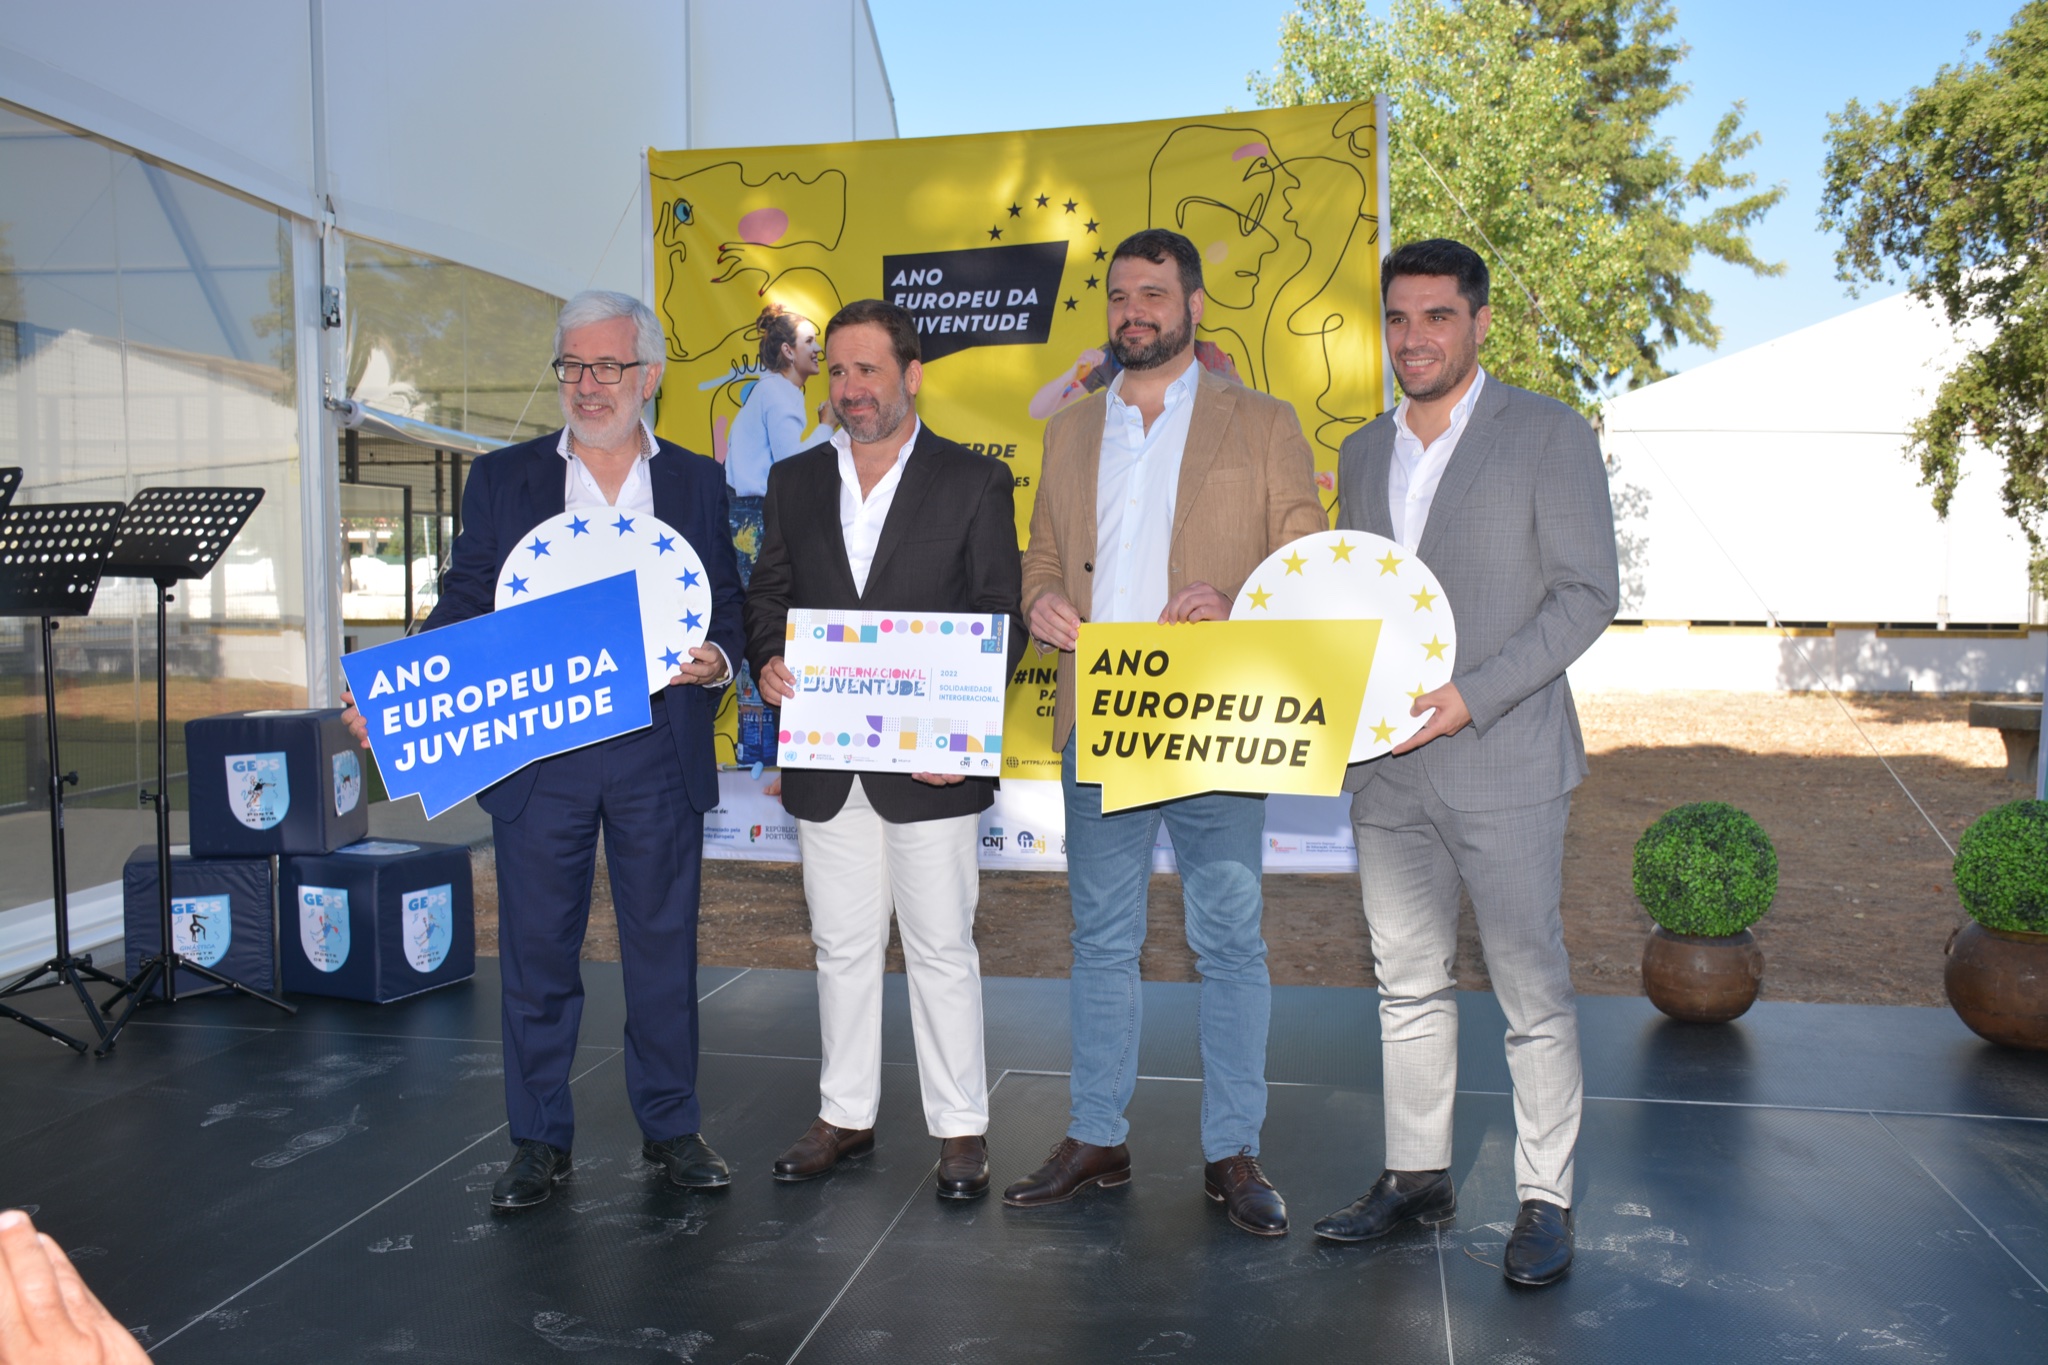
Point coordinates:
[[1245, 706], [999, 244], [1027, 718]]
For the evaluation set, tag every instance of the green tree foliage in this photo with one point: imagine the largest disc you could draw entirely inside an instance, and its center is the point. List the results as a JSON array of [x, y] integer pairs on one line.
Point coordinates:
[[12, 309], [1527, 130], [1950, 188], [475, 346]]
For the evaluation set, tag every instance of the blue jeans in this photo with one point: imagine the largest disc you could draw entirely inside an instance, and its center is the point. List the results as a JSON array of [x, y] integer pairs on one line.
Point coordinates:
[[1218, 841]]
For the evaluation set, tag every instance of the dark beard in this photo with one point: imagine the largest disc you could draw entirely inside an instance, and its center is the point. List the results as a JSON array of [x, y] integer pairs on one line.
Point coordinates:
[[1165, 345], [1448, 378], [866, 429]]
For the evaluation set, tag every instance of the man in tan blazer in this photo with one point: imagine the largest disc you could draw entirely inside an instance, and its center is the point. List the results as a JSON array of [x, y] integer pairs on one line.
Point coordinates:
[[1158, 498]]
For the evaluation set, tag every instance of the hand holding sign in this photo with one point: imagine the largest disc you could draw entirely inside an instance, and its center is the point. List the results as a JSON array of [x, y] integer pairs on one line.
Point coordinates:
[[454, 710], [1355, 575], [1248, 706], [583, 546]]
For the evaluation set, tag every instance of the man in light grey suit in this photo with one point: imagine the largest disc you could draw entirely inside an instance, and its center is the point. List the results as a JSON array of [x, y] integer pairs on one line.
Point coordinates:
[[1504, 495]]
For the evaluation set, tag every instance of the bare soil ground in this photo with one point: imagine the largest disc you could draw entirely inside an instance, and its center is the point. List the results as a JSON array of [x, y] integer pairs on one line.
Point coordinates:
[[1864, 907]]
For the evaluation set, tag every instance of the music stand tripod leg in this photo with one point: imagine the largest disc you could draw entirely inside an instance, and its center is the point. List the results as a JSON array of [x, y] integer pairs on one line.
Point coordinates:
[[167, 961], [40, 1027], [56, 553]]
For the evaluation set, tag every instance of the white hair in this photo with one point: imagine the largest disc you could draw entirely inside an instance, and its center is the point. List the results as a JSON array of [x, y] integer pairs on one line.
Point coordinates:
[[602, 305]]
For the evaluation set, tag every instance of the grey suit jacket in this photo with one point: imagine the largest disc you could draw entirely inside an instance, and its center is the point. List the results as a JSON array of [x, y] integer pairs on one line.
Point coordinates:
[[1521, 535]]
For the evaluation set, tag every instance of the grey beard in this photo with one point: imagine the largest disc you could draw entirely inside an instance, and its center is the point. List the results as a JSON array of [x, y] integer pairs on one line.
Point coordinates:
[[869, 429]]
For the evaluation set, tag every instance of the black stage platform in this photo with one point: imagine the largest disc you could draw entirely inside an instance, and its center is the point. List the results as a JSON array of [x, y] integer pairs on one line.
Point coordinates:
[[1813, 1183]]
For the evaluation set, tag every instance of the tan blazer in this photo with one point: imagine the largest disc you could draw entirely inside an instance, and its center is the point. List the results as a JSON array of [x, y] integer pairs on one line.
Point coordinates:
[[1247, 487]]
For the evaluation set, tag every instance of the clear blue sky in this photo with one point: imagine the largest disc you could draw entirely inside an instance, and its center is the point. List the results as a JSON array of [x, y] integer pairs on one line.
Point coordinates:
[[974, 67]]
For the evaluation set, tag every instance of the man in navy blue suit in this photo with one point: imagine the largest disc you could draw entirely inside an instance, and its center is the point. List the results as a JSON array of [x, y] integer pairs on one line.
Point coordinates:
[[646, 791]]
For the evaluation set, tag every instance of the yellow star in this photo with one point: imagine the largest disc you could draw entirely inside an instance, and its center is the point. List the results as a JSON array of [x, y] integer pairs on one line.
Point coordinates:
[[1383, 733], [1416, 695], [1294, 563], [1341, 550], [1389, 564], [1424, 600], [1259, 596], [1435, 648]]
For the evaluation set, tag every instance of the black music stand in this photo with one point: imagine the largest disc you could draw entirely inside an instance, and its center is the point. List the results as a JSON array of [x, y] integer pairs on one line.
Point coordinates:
[[50, 561], [10, 479], [169, 534]]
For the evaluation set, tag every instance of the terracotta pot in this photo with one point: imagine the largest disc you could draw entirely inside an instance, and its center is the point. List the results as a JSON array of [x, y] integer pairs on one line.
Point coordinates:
[[1998, 983], [1702, 980]]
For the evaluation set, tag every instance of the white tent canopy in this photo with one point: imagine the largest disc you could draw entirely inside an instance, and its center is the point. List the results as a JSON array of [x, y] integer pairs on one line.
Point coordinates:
[[1775, 480]]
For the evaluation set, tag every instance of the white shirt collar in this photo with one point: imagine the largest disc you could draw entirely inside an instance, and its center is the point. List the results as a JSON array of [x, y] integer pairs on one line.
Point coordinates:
[[1182, 385], [648, 447], [842, 442], [1460, 411]]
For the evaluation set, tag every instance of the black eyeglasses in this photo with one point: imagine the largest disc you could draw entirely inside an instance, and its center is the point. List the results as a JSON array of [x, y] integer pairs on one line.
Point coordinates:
[[603, 371]]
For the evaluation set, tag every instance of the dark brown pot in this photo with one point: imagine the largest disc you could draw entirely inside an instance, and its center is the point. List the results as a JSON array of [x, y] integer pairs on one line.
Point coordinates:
[[1702, 980], [1998, 983]]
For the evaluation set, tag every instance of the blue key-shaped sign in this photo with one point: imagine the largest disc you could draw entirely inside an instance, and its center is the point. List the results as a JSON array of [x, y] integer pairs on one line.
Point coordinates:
[[453, 710]]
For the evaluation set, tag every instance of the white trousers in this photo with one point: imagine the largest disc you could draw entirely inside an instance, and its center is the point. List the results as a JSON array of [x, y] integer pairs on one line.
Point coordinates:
[[859, 867], [1413, 851]]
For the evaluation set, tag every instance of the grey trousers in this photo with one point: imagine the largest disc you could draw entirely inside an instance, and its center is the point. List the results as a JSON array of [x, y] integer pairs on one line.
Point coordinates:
[[1413, 851]]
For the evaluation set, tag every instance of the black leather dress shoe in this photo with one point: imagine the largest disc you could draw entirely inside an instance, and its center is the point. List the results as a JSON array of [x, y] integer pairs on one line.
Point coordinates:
[[531, 1177], [1540, 1248], [822, 1147], [1071, 1168], [963, 1167], [690, 1162], [1397, 1197], [1237, 1183]]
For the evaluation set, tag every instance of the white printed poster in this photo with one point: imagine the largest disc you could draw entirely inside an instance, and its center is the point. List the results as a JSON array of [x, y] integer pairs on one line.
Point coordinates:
[[895, 692]]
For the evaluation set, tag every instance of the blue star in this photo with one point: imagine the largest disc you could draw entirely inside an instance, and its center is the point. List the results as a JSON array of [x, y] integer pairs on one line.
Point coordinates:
[[539, 547], [518, 585], [665, 544], [692, 621], [623, 524], [579, 527], [672, 659], [688, 578]]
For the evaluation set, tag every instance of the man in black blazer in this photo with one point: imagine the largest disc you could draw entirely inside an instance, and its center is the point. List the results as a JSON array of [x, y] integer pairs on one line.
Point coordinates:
[[887, 516], [646, 791]]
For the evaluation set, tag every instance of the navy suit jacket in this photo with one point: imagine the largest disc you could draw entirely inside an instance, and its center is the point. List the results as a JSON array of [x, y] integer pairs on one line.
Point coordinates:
[[511, 491]]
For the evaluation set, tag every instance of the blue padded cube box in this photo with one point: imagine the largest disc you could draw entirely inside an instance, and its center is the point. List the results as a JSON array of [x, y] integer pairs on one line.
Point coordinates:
[[379, 920], [220, 918], [274, 782]]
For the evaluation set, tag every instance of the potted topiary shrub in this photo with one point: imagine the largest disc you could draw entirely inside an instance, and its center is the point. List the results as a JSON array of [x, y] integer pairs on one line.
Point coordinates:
[[1997, 972], [1705, 872]]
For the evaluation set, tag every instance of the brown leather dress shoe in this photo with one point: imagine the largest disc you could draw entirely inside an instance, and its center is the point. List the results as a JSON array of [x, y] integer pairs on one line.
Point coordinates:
[[1237, 1183], [820, 1149], [963, 1167], [1071, 1168]]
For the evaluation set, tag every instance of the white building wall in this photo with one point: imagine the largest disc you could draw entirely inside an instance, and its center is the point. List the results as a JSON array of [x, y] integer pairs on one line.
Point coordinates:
[[784, 74], [1659, 658]]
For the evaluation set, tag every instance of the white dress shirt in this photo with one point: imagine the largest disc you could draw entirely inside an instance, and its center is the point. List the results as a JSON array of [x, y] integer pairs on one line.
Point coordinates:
[[636, 494], [861, 519], [1135, 491], [1417, 469]]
